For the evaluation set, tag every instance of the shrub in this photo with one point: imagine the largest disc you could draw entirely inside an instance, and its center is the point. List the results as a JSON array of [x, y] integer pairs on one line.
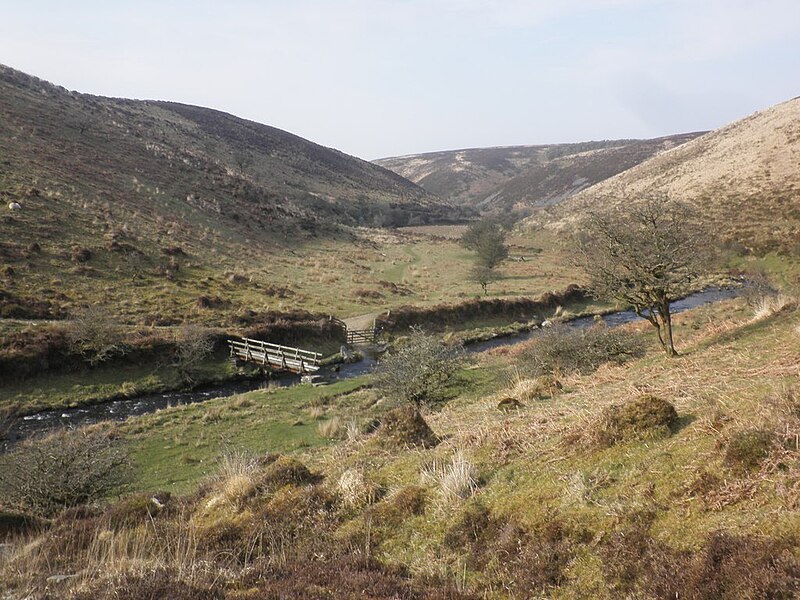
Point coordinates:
[[746, 449], [727, 567], [647, 417], [473, 525], [81, 255], [420, 370], [95, 335], [405, 426], [286, 470], [63, 469], [193, 344], [405, 502], [563, 349]]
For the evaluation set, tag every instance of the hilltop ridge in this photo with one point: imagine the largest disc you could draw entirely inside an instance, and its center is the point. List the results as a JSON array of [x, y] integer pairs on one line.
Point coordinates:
[[501, 179]]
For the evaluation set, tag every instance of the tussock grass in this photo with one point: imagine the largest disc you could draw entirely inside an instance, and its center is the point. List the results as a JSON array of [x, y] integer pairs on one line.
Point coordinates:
[[453, 479], [770, 305]]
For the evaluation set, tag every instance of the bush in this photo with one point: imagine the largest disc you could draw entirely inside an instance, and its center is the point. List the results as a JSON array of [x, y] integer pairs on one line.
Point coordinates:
[[563, 349], [746, 449], [64, 469], [193, 344], [405, 426], [420, 370], [95, 335], [286, 470], [475, 524], [647, 417]]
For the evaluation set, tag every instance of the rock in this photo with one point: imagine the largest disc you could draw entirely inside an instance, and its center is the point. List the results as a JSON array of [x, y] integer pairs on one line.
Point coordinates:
[[60, 578], [314, 380], [508, 404], [547, 323]]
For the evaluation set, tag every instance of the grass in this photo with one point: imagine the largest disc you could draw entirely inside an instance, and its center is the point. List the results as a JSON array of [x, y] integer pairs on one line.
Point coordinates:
[[70, 389], [174, 448], [504, 490]]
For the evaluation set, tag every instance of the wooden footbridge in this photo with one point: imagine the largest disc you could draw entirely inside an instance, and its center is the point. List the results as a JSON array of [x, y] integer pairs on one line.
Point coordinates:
[[275, 356], [287, 358]]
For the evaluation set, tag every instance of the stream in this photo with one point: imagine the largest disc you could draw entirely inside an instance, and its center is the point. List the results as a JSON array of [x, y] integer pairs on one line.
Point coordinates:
[[119, 410]]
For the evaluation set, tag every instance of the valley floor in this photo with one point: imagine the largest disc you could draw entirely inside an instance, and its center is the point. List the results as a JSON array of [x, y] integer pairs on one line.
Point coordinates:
[[516, 504]]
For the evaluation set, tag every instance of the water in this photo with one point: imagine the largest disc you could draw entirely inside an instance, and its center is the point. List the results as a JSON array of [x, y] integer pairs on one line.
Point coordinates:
[[618, 318], [119, 410]]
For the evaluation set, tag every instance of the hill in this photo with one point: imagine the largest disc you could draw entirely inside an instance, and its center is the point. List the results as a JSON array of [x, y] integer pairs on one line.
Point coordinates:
[[501, 179], [743, 177], [146, 206], [142, 154]]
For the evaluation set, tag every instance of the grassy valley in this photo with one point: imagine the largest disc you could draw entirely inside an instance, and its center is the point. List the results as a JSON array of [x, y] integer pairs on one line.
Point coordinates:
[[581, 463]]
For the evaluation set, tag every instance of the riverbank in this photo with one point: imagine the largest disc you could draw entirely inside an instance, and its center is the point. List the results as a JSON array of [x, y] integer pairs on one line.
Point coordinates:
[[475, 341]]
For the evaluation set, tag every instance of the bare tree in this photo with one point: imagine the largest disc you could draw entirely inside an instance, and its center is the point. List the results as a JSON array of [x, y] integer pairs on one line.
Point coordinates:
[[194, 344], [95, 334], [63, 469], [419, 370], [646, 254], [483, 276]]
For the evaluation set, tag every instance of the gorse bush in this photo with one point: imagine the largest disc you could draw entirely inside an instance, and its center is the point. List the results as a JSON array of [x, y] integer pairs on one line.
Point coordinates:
[[64, 469], [565, 350], [645, 418]]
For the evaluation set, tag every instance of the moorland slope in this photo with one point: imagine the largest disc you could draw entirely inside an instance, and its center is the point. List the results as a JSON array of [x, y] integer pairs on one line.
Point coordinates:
[[502, 179], [743, 177]]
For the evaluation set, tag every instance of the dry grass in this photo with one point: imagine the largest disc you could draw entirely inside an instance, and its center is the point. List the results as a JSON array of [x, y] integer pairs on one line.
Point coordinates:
[[768, 306], [356, 489], [330, 429], [454, 479]]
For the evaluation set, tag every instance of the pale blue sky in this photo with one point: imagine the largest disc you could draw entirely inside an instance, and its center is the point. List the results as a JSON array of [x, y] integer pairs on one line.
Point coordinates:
[[378, 78]]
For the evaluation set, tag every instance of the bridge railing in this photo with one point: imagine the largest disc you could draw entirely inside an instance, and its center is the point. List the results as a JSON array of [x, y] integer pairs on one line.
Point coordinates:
[[286, 358]]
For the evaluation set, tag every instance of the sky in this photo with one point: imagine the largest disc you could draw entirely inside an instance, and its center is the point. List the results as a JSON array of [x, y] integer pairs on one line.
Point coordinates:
[[377, 78]]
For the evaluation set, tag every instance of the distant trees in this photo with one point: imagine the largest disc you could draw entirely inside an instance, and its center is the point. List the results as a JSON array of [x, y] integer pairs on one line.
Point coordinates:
[[646, 254], [487, 239]]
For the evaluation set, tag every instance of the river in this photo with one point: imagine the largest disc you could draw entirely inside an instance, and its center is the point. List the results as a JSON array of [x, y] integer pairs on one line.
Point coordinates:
[[119, 410]]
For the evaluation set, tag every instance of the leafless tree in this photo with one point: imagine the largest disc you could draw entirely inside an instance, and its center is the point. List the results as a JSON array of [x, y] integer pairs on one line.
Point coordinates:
[[95, 334], [63, 469], [194, 344], [646, 254]]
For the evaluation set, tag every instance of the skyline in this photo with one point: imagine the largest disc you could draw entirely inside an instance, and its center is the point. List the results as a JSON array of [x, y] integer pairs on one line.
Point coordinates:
[[383, 78]]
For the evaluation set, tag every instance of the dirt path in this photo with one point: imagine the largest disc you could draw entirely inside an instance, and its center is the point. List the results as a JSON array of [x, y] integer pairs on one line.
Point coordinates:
[[362, 321]]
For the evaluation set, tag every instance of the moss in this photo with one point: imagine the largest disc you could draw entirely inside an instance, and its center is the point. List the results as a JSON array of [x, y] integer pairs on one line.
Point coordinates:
[[747, 449]]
